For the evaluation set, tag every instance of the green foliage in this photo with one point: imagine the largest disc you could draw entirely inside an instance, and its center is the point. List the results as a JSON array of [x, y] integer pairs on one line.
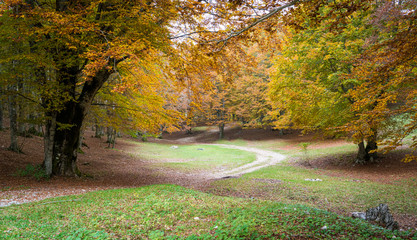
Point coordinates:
[[308, 89], [83, 233], [304, 148], [32, 171]]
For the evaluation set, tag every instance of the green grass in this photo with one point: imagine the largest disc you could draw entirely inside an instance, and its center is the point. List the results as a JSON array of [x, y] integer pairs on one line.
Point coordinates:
[[265, 144], [202, 128], [277, 145], [192, 157], [173, 212], [237, 142], [340, 194], [317, 152]]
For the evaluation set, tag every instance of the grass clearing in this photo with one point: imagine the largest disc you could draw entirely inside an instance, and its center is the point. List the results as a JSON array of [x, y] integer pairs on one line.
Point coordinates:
[[173, 212], [299, 209], [339, 194], [317, 152], [202, 128], [237, 142], [290, 148], [193, 157], [344, 195]]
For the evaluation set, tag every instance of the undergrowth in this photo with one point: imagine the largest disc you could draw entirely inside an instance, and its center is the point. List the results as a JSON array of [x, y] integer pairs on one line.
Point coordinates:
[[30, 170]]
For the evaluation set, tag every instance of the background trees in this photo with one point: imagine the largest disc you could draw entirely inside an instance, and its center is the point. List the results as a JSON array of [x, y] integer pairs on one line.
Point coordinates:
[[68, 51], [236, 92], [150, 63], [386, 74], [345, 69], [308, 89]]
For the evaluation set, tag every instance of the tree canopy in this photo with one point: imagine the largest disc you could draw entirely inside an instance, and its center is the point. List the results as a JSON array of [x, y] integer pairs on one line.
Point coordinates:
[[147, 65], [348, 69], [139, 53]]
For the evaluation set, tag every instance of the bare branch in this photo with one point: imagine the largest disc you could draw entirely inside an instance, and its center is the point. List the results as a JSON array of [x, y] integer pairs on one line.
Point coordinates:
[[256, 22], [23, 96], [234, 34], [192, 33], [115, 106]]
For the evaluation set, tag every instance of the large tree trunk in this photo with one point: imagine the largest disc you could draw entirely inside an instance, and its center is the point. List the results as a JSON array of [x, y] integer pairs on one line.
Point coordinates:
[[67, 139], [13, 120], [361, 157], [371, 147], [367, 154]]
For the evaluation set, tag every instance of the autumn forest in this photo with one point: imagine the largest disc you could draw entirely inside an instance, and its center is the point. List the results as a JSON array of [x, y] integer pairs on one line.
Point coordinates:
[[338, 70], [346, 68]]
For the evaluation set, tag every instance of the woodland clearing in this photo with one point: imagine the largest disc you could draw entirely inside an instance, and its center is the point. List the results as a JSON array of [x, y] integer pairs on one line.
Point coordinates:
[[123, 167]]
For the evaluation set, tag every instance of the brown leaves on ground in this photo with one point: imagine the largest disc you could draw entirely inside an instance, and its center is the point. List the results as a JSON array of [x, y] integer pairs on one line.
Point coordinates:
[[109, 168]]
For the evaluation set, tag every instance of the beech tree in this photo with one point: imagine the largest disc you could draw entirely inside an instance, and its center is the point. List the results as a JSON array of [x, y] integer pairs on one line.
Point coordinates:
[[309, 90], [386, 74], [238, 93], [349, 67], [128, 105], [73, 47]]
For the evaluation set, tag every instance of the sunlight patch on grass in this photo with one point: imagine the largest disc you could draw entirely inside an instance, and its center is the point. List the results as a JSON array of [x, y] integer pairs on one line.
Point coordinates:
[[193, 157], [201, 128]]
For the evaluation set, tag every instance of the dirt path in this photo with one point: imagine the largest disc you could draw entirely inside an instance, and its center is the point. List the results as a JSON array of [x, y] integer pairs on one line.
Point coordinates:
[[123, 171], [264, 158]]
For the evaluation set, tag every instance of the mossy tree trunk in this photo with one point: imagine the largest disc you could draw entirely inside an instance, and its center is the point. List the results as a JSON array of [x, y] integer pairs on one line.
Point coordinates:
[[67, 131], [367, 154]]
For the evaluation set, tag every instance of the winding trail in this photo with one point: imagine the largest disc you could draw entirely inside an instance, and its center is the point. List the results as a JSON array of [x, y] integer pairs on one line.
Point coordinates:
[[264, 158], [126, 173]]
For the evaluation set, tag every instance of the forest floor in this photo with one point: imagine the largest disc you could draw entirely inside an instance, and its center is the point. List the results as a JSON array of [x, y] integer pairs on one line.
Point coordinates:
[[106, 168]]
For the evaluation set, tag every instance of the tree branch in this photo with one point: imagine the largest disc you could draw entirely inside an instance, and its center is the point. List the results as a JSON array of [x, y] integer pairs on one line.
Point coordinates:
[[256, 22], [192, 33], [9, 92], [115, 106]]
